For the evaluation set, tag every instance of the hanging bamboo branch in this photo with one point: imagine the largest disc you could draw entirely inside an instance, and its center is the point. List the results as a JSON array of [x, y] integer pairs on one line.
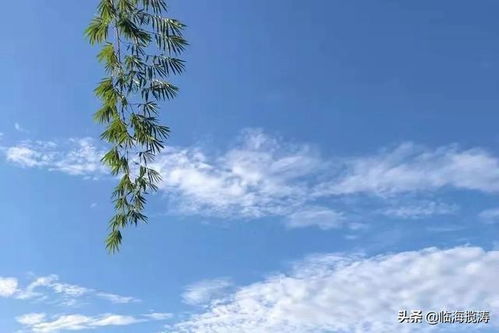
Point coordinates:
[[140, 49]]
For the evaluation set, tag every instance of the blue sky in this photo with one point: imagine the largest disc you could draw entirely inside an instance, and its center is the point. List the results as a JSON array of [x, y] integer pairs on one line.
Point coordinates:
[[331, 163]]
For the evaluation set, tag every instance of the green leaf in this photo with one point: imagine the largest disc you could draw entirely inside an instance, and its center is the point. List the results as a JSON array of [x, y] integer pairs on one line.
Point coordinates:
[[97, 30]]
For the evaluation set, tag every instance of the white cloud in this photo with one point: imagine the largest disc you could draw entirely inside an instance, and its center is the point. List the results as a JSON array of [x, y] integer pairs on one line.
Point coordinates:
[[24, 156], [31, 319], [75, 157], [321, 217], [52, 283], [69, 290], [490, 215], [203, 292], [259, 176], [74, 322], [420, 210], [410, 167], [40, 323], [8, 286], [263, 176], [49, 288], [158, 315], [337, 293], [117, 299], [115, 320]]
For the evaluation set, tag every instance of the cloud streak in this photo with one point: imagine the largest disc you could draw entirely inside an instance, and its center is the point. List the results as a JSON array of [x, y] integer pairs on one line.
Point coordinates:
[[50, 289], [74, 157], [419, 210], [264, 176], [203, 292], [41, 323], [413, 168]]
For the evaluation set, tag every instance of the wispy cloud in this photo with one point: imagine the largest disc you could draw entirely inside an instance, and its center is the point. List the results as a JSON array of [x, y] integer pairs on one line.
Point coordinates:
[[258, 176], [50, 289], [41, 323], [158, 315], [420, 209], [338, 293], [202, 292], [117, 299], [264, 176], [74, 157], [412, 168], [490, 215], [322, 217], [31, 319], [19, 128]]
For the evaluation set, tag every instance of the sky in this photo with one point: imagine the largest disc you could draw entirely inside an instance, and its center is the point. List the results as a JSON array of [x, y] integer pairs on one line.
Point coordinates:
[[331, 163]]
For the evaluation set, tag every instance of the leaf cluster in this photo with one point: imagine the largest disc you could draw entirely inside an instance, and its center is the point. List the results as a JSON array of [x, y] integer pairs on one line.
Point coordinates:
[[140, 52]]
